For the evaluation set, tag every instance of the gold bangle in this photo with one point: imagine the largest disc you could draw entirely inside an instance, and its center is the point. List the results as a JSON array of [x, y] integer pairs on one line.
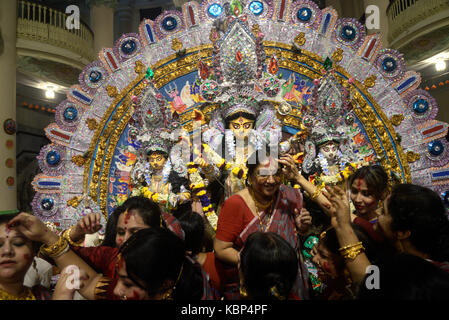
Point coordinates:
[[55, 250], [350, 246], [316, 193], [350, 252], [66, 235]]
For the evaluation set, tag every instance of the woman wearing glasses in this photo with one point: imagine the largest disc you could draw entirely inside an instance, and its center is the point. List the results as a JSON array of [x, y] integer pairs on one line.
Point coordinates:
[[264, 205]]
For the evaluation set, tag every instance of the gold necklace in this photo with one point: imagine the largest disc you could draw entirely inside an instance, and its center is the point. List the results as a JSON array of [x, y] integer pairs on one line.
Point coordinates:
[[27, 294], [260, 207]]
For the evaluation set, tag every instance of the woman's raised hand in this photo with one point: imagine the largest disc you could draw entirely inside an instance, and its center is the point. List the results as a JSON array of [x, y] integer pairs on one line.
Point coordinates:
[[32, 228], [303, 220], [290, 168], [88, 224]]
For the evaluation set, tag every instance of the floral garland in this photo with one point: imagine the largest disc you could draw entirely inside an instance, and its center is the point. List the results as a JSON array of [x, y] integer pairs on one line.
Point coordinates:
[[199, 190], [324, 164], [343, 175], [168, 199], [222, 164]]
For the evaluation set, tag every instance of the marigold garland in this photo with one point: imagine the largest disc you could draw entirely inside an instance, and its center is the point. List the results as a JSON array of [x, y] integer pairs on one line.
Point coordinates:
[[343, 175], [198, 189], [162, 198]]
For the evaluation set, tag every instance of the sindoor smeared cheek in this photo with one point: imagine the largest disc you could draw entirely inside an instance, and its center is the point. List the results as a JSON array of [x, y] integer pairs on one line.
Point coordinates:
[[326, 267], [136, 295], [27, 257]]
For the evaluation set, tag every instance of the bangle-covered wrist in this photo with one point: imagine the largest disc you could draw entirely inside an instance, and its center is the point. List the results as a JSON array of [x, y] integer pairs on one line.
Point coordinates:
[[50, 238]]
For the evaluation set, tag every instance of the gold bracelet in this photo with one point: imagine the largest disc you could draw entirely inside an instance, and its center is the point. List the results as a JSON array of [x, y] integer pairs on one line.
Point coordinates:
[[55, 250], [350, 246], [316, 193], [350, 252], [66, 235]]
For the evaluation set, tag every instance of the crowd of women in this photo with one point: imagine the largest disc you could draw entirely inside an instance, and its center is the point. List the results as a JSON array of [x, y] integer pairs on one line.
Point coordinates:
[[258, 251]]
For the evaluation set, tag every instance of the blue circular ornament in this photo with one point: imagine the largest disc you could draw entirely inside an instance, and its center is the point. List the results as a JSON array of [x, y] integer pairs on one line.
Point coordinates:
[[47, 204], [435, 148], [304, 14], [389, 64], [70, 114], [420, 106], [256, 7], [445, 196], [53, 158], [348, 33], [215, 10], [128, 46], [95, 76]]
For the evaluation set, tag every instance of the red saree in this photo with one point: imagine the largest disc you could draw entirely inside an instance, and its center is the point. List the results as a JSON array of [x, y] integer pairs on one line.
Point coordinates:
[[236, 222]]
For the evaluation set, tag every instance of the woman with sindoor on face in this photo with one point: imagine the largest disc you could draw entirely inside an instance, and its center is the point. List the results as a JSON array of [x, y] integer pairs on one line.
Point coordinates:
[[148, 256], [16, 256], [18, 247], [413, 219], [264, 205], [332, 271], [134, 214], [368, 189]]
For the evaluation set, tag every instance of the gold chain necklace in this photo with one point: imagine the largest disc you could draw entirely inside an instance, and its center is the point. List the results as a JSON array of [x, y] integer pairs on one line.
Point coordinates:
[[27, 294], [260, 207]]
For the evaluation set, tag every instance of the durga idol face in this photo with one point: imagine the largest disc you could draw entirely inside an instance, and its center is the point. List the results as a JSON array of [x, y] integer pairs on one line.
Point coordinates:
[[330, 151], [241, 127], [157, 160]]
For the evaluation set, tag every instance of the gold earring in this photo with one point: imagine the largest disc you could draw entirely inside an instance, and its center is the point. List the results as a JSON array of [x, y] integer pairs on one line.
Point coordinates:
[[168, 295], [243, 292]]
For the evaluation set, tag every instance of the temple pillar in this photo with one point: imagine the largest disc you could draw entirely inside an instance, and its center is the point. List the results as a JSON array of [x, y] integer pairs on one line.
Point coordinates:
[[8, 39]]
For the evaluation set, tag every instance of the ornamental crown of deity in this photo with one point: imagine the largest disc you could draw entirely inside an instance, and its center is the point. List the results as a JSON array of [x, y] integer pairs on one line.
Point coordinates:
[[237, 78], [154, 126], [329, 112]]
